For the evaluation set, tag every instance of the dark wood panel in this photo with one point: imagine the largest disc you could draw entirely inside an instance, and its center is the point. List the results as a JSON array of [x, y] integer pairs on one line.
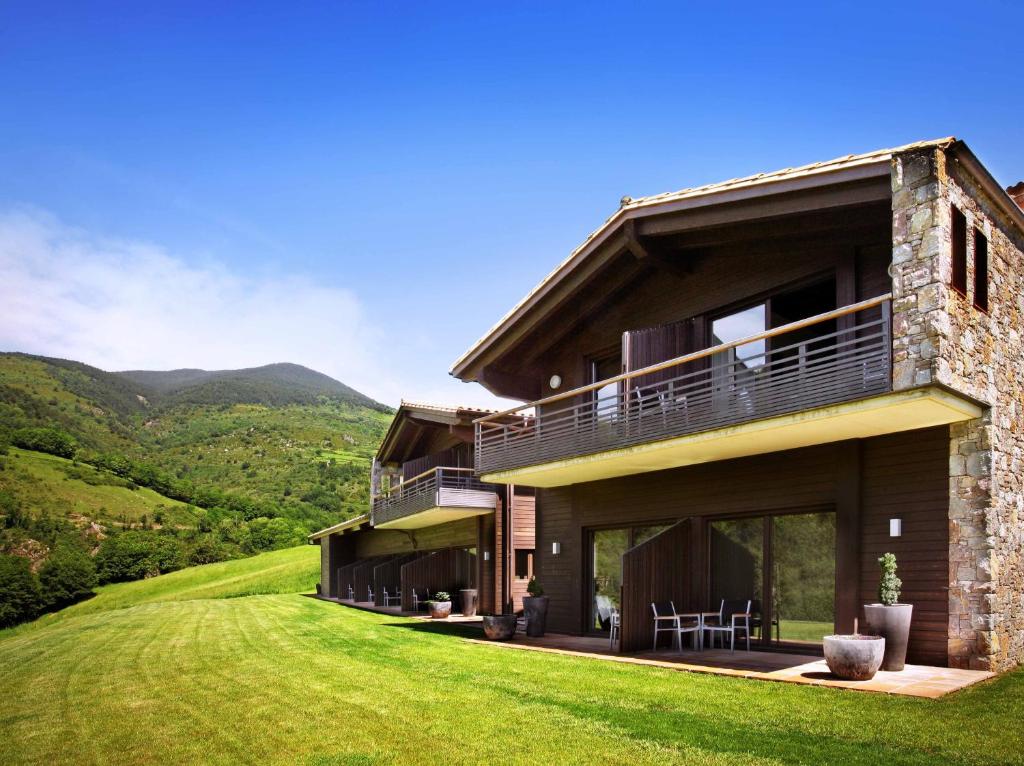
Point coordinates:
[[362, 577], [656, 570], [437, 571], [389, 575]]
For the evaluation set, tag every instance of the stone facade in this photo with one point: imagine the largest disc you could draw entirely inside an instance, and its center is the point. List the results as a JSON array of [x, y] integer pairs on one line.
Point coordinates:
[[940, 337]]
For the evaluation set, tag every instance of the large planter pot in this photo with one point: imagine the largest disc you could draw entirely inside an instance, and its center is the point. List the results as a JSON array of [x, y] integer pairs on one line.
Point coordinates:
[[499, 627], [536, 610], [893, 624], [469, 596], [439, 610], [854, 658]]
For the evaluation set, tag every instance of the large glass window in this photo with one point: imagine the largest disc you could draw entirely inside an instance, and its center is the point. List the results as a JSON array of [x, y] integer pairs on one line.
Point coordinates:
[[785, 565]]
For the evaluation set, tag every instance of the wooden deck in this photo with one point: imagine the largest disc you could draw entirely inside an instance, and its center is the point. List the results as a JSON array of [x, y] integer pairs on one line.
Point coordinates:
[[913, 681]]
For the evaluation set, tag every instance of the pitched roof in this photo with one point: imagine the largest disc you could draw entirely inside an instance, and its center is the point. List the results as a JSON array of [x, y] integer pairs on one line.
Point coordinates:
[[631, 208]]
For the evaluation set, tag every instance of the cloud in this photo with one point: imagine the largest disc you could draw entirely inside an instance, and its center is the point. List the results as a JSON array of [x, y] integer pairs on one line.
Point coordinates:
[[120, 304]]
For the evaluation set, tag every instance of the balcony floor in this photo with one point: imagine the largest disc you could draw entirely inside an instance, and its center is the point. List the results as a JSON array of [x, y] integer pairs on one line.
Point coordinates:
[[874, 416]]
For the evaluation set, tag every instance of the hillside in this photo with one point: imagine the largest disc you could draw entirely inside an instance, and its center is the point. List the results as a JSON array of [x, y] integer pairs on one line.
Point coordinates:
[[291, 439]]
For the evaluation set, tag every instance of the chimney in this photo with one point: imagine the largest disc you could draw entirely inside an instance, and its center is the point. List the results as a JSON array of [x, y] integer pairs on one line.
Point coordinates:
[[1016, 193]]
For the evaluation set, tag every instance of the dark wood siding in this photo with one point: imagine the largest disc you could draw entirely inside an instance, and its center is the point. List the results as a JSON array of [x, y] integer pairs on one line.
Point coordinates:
[[440, 570], [904, 473], [906, 477], [389, 575]]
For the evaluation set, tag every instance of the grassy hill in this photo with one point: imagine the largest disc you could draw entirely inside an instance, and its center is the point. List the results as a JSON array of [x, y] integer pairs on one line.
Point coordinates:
[[188, 668], [289, 437]]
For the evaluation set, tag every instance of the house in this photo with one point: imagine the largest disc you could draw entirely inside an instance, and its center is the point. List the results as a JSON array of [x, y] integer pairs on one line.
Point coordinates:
[[433, 525], [756, 388]]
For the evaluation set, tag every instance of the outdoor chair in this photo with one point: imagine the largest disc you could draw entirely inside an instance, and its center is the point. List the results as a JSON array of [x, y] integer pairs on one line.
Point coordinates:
[[395, 597], [351, 594], [733, 616], [369, 593], [416, 600], [665, 620], [614, 628]]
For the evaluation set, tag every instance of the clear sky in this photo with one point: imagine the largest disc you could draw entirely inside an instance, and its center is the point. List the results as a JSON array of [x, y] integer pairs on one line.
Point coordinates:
[[366, 187]]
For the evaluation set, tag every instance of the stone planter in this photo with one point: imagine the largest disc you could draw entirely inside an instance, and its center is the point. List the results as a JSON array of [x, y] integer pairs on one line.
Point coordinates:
[[854, 658], [499, 627], [439, 610], [893, 624], [536, 610], [469, 596]]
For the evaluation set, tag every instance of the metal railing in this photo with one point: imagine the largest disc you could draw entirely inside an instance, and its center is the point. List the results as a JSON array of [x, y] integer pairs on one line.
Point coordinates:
[[744, 380], [424, 491]]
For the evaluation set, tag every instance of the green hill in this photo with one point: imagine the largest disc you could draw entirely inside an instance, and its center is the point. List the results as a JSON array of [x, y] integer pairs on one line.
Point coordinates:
[[292, 439]]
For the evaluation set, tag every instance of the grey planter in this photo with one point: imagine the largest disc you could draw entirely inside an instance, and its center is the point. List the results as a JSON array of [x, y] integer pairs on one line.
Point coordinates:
[[893, 624], [854, 658], [499, 627], [536, 610], [469, 596], [439, 610]]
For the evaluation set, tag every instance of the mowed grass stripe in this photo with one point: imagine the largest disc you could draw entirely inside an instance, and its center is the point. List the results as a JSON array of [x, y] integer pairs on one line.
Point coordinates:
[[289, 679]]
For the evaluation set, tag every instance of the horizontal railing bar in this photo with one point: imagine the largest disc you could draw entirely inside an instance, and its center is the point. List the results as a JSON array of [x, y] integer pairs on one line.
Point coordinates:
[[792, 326]]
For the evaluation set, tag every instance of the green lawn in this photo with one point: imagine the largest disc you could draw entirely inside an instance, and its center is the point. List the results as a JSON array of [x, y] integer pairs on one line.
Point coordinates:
[[139, 675]]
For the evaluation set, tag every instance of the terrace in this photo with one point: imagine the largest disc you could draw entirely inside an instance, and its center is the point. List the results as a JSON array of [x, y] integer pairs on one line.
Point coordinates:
[[815, 380], [435, 496]]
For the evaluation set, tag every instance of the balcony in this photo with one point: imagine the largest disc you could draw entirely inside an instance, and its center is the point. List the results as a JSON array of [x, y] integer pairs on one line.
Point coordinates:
[[822, 379], [435, 496]]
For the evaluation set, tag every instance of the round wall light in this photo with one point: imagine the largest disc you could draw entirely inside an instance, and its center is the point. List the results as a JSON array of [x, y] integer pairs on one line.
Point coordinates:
[[555, 382]]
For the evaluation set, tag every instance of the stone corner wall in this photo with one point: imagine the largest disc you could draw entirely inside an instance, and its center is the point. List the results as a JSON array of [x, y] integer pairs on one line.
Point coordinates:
[[939, 337]]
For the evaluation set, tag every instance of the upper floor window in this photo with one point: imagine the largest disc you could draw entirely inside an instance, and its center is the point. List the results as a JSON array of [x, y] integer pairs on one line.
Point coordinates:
[[980, 270], [958, 232]]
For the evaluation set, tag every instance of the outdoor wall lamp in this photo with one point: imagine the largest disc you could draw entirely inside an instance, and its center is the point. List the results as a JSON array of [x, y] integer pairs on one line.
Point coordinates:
[[555, 382], [487, 555], [895, 527], [556, 548]]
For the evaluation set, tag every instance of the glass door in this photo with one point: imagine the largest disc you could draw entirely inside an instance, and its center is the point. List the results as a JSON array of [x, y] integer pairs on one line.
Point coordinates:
[[734, 371], [785, 564], [606, 550]]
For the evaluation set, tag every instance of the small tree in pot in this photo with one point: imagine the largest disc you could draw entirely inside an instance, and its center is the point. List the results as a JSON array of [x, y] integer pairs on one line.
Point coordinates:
[[440, 606], [889, 618], [535, 607]]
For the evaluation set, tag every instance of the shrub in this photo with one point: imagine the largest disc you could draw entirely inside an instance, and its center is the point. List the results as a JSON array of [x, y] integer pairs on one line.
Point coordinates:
[[138, 554], [50, 440], [534, 588], [441, 596], [889, 585], [20, 598], [69, 575]]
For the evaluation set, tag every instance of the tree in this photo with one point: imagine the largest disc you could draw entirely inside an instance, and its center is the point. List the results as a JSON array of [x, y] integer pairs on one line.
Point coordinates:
[[49, 440], [20, 598], [135, 555], [69, 575]]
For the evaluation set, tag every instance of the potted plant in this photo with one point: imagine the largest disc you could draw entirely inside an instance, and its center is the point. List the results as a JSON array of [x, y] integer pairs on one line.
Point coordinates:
[[889, 618], [535, 607], [855, 657], [440, 606]]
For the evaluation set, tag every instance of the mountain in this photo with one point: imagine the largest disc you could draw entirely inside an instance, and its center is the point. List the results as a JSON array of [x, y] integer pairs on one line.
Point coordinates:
[[295, 441], [272, 385]]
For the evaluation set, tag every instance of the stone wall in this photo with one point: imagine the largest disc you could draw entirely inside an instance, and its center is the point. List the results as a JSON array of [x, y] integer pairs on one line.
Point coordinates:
[[940, 337]]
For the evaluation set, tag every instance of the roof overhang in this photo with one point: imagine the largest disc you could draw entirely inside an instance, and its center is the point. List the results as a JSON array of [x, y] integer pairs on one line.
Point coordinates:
[[346, 526], [439, 514]]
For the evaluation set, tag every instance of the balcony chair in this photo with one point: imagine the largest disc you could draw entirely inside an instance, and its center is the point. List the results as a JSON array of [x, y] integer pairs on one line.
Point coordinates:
[[733, 616]]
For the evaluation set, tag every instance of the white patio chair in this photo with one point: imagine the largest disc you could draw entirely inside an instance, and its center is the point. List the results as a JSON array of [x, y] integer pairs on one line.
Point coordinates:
[[614, 628], [665, 621], [395, 597], [733, 617]]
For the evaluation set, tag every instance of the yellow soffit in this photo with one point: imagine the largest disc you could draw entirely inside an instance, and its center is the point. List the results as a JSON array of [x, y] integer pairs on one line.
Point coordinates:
[[876, 416], [433, 516]]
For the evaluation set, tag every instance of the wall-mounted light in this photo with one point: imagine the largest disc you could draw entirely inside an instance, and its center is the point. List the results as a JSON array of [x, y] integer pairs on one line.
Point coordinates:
[[556, 548], [555, 381], [895, 527], [487, 555]]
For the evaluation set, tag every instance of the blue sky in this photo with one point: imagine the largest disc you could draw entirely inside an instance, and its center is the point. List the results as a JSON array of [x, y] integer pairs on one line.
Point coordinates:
[[366, 187]]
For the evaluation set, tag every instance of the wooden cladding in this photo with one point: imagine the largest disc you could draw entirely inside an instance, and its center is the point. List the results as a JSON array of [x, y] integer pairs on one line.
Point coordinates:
[[459, 456], [447, 570], [389, 576], [654, 571], [642, 348]]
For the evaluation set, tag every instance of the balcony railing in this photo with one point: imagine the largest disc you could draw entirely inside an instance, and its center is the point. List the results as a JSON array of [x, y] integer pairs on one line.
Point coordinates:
[[436, 487], [840, 356]]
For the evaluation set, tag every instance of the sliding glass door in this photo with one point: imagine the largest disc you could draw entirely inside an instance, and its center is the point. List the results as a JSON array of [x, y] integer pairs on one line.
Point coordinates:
[[606, 549], [785, 565]]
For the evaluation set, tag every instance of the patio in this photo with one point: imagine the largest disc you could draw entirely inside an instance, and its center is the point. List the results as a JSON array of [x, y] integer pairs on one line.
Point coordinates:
[[914, 681]]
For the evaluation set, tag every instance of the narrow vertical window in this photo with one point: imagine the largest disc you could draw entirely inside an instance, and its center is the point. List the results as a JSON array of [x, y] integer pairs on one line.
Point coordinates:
[[980, 271], [958, 231]]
